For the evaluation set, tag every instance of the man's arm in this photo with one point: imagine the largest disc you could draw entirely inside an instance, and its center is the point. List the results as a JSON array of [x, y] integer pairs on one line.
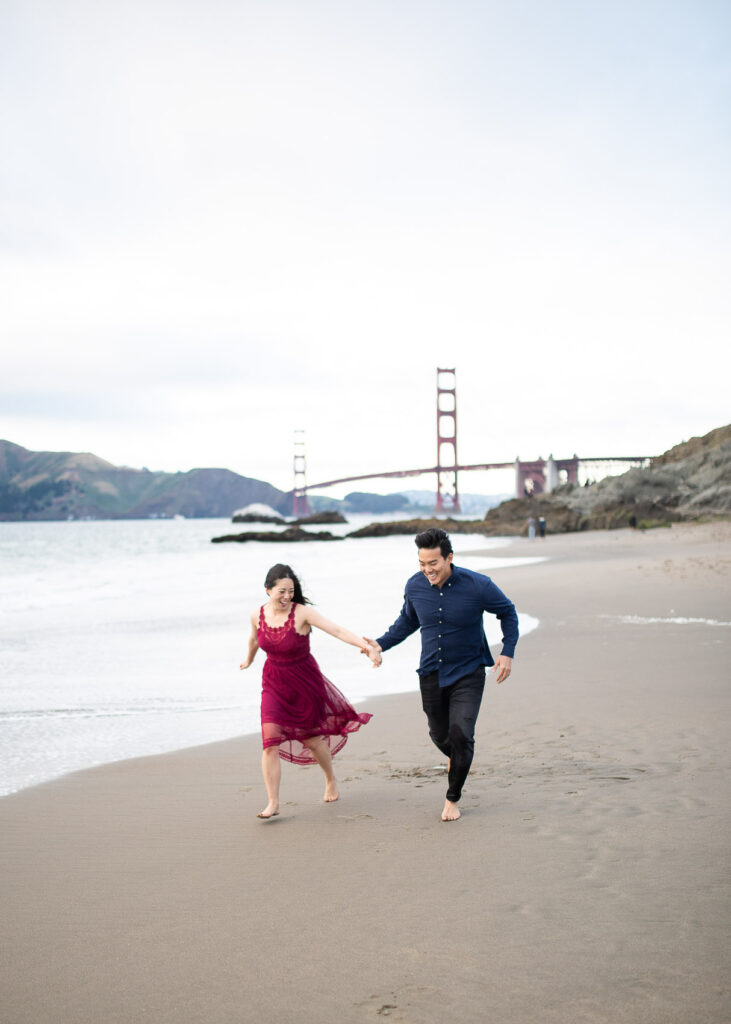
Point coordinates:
[[497, 604]]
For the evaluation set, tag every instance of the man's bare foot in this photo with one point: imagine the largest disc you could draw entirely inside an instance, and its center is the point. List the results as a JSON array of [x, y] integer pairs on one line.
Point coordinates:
[[331, 792], [450, 812], [270, 811]]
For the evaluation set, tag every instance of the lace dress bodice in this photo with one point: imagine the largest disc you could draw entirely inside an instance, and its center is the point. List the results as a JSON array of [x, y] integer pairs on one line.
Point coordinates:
[[282, 644]]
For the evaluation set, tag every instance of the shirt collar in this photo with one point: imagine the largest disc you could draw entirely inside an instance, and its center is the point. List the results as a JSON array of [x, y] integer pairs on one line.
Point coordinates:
[[448, 582]]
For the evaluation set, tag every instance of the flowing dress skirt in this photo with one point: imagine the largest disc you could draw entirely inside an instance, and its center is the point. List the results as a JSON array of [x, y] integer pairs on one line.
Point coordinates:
[[297, 703]]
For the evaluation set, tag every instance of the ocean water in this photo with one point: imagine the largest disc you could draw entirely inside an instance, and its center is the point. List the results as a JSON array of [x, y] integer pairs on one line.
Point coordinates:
[[123, 638]]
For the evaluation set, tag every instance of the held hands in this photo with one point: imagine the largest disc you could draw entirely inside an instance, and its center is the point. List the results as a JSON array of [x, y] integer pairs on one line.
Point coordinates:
[[502, 666], [373, 651]]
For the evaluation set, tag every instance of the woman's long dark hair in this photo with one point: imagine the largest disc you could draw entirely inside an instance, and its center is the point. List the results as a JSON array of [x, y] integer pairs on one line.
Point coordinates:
[[285, 572]]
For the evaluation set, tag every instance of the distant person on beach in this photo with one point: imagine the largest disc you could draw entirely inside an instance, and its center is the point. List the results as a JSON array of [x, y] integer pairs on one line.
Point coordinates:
[[542, 527], [531, 528], [304, 717], [447, 603]]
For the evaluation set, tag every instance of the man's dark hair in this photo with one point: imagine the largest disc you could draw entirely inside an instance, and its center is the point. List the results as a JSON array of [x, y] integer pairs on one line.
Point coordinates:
[[434, 538]]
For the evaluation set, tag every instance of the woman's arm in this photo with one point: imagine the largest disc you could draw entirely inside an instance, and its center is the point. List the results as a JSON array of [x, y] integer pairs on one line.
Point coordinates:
[[253, 643], [307, 614]]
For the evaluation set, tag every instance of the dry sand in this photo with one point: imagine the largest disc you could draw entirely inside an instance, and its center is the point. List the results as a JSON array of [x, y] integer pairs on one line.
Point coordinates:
[[587, 881]]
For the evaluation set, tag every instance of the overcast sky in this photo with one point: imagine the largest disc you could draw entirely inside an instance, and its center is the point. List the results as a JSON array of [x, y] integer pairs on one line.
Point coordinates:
[[224, 221]]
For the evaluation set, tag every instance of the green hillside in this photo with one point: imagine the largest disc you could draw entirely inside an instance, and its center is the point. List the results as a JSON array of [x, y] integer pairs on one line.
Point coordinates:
[[72, 485]]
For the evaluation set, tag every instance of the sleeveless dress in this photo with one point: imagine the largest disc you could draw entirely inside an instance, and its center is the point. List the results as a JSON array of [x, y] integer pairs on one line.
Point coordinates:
[[297, 701]]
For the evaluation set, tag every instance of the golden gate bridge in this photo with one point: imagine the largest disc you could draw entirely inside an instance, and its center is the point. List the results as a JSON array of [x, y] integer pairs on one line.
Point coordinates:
[[538, 476]]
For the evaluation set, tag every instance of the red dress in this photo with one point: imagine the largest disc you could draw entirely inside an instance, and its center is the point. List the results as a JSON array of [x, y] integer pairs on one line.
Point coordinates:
[[297, 701]]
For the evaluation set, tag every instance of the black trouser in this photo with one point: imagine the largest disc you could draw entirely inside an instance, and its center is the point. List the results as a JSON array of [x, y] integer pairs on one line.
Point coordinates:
[[452, 713]]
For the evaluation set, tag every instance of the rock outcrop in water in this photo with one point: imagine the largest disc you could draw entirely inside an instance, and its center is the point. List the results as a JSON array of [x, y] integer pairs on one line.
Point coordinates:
[[292, 534], [414, 526], [321, 518], [403, 526], [257, 517], [257, 512]]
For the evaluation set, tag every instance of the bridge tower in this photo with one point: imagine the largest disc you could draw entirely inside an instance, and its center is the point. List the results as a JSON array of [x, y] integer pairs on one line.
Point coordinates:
[[300, 505], [447, 493]]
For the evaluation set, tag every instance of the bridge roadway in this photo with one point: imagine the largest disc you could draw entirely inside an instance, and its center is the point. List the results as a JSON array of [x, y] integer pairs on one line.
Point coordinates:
[[460, 469]]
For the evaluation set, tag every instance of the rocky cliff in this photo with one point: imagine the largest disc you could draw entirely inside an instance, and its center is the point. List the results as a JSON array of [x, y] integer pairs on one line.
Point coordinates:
[[689, 482], [70, 485]]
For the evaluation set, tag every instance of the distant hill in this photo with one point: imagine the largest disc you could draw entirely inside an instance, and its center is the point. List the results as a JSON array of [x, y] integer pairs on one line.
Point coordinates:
[[689, 482], [71, 485]]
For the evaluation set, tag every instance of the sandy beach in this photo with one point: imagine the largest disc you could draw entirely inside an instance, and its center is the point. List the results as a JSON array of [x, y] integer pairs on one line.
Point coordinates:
[[587, 881]]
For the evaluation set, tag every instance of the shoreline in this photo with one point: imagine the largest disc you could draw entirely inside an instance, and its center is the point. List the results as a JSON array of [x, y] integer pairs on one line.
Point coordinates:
[[254, 735], [533, 551], [64, 755], [586, 880]]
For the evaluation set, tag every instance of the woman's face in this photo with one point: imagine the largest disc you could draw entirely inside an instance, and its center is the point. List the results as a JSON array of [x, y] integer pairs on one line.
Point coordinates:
[[281, 594]]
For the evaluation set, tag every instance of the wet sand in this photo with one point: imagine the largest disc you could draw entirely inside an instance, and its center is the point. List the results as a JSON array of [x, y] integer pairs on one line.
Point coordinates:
[[587, 881]]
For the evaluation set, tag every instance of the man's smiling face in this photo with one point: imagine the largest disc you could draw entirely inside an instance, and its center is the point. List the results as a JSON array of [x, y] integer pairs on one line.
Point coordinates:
[[435, 566]]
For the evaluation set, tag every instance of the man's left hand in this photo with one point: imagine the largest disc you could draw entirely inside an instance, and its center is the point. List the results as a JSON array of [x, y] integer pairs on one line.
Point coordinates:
[[503, 668]]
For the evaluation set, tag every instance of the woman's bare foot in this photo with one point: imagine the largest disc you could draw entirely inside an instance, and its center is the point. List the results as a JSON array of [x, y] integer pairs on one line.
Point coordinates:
[[270, 811], [331, 791], [450, 812]]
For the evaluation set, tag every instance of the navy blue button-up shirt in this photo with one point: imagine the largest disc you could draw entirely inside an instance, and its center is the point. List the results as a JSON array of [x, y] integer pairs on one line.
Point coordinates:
[[453, 641]]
